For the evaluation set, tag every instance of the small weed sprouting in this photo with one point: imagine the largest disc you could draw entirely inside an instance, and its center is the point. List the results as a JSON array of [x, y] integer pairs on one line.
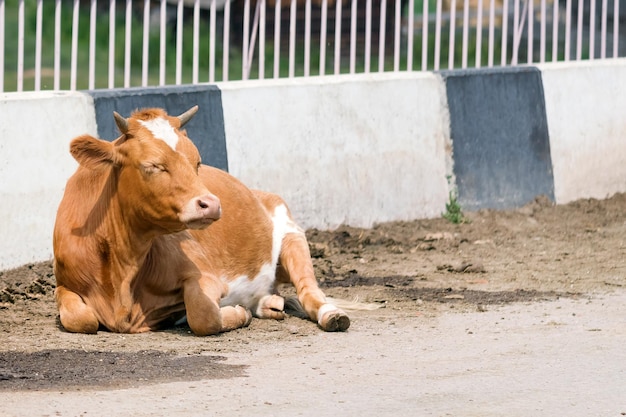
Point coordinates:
[[453, 213]]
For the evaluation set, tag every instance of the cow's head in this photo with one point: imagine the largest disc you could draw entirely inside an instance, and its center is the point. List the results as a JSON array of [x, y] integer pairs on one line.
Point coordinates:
[[154, 167]]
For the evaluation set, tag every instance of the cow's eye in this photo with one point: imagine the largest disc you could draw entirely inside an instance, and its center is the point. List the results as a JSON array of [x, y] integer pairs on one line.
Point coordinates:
[[153, 168]]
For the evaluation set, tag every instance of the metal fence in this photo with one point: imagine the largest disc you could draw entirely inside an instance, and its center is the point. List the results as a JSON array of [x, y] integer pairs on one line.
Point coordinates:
[[89, 44]]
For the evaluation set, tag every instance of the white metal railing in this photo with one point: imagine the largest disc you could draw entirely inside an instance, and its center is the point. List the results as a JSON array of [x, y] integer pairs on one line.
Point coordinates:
[[89, 44]]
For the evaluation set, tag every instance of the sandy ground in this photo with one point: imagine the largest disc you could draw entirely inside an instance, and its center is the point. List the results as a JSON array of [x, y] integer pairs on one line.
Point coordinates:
[[512, 313]]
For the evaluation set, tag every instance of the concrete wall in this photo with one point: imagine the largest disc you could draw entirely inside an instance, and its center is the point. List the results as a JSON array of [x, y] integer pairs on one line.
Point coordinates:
[[345, 150], [35, 131], [500, 136], [586, 107]]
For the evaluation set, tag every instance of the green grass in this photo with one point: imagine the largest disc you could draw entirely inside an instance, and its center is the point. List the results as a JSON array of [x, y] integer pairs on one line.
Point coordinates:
[[453, 213]]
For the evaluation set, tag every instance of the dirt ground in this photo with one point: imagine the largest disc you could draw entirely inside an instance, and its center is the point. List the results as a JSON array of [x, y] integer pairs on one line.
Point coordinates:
[[422, 271]]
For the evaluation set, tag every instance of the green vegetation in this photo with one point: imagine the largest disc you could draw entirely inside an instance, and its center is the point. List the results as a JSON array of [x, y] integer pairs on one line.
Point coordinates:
[[453, 213]]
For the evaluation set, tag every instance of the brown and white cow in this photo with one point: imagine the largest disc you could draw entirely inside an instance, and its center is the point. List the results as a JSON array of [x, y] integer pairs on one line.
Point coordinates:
[[146, 235]]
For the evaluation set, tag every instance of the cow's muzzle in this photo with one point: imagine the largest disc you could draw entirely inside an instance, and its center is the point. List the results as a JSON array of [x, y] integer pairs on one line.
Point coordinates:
[[201, 211]]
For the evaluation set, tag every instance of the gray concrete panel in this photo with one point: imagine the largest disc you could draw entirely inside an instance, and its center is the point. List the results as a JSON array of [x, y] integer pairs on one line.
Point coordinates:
[[499, 132], [206, 129]]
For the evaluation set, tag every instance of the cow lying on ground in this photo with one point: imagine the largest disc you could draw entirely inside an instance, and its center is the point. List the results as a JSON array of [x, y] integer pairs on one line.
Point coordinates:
[[142, 240]]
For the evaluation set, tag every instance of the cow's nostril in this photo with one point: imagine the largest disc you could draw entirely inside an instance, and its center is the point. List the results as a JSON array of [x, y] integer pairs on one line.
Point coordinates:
[[202, 204]]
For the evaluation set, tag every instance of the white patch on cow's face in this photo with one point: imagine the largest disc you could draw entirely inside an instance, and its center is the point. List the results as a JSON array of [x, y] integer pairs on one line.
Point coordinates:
[[162, 129]]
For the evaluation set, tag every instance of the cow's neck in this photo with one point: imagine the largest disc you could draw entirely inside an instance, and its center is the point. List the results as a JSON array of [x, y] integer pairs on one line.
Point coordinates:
[[124, 241], [126, 261], [127, 247]]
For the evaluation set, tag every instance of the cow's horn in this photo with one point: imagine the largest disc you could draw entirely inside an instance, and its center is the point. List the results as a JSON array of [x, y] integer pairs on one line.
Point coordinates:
[[122, 124], [186, 116]]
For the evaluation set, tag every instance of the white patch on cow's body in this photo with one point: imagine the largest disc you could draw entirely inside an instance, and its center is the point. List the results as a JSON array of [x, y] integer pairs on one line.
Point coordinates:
[[325, 308], [283, 224], [162, 129], [248, 292]]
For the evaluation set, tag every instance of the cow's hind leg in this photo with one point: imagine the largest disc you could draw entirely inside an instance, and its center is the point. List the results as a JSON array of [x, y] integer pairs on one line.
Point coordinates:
[[296, 266], [75, 315], [204, 315]]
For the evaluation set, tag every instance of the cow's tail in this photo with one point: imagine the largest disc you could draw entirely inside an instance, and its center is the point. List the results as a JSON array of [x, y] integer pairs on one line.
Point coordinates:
[[294, 308]]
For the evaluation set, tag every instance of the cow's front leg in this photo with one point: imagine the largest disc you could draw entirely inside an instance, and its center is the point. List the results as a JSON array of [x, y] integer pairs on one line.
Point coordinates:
[[296, 266], [271, 307], [75, 315], [204, 314]]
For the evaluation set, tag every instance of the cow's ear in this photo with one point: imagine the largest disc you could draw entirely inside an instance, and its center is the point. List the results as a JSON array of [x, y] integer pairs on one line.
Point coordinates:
[[91, 152]]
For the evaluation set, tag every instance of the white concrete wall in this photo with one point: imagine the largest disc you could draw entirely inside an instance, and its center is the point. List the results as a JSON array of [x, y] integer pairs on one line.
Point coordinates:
[[35, 163], [355, 150], [343, 150], [586, 107]]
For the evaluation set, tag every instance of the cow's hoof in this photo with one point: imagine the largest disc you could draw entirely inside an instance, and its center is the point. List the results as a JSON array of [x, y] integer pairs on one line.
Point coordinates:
[[335, 321], [247, 315], [271, 307]]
